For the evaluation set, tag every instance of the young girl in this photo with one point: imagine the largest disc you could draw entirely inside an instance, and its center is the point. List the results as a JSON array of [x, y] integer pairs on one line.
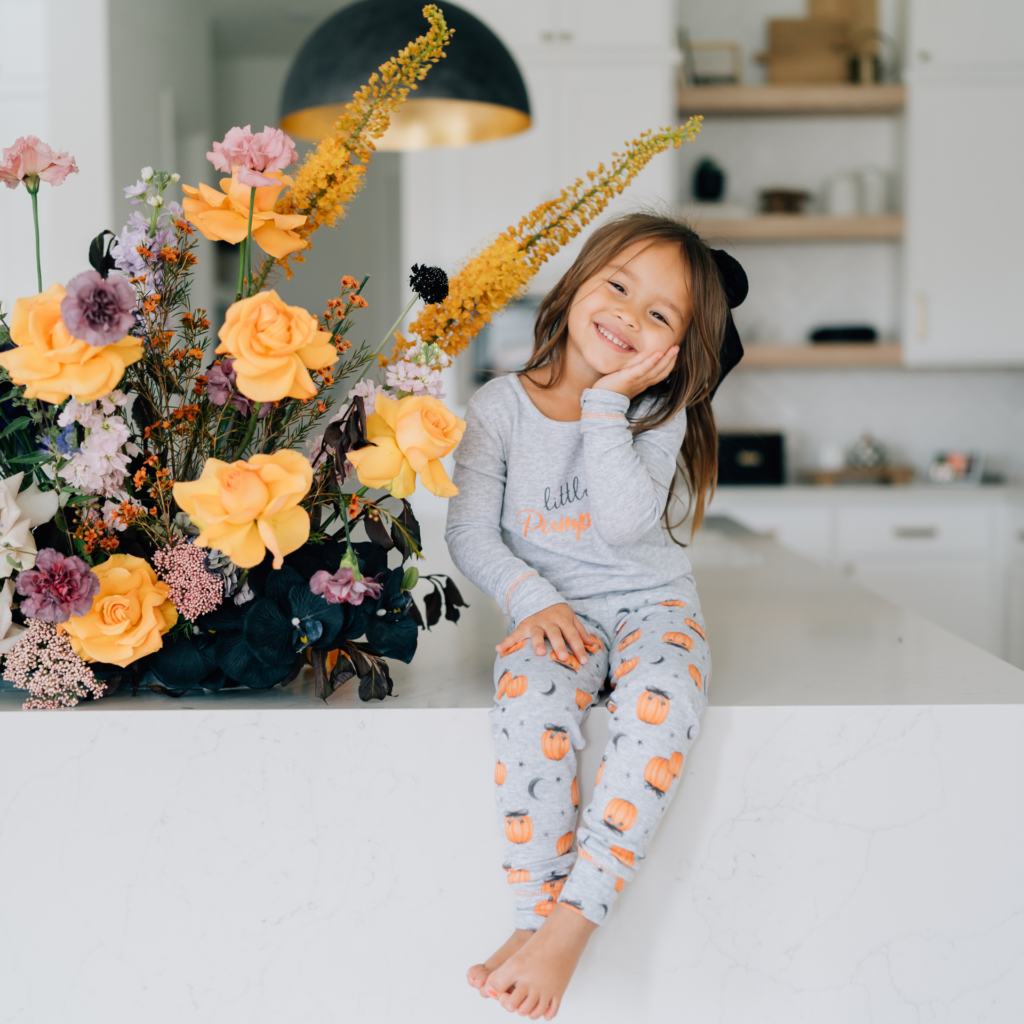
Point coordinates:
[[564, 474]]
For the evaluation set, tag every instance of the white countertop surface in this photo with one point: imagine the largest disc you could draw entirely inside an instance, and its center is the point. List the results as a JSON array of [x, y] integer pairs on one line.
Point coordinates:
[[783, 632]]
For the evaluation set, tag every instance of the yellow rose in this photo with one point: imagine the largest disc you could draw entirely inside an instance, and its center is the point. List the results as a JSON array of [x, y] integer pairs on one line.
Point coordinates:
[[409, 436], [244, 508], [129, 615], [52, 365], [224, 215], [274, 347]]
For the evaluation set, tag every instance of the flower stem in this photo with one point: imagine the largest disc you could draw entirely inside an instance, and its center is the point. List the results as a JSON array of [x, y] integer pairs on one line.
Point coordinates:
[[34, 192], [249, 430], [241, 271], [248, 242], [391, 330]]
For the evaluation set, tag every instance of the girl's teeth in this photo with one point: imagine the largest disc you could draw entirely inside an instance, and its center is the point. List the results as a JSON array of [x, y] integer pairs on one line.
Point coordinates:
[[614, 341]]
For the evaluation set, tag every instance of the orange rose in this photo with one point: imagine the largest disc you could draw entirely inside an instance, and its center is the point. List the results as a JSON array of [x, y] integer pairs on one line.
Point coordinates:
[[409, 436], [244, 508], [52, 365], [224, 215], [129, 615], [274, 346]]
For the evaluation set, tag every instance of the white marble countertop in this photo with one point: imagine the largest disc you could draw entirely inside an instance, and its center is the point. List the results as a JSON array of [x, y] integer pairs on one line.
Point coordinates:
[[783, 632], [844, 494]]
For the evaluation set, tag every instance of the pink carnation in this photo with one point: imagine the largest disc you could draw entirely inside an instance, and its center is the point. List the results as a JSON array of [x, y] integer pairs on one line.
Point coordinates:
[[268, 150], [343, 587], [57, 588], [29, 158]]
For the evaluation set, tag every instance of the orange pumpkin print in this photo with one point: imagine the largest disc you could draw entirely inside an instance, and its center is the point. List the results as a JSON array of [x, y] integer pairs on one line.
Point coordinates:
[[696, 628], [554, 742], [516, 687], [658, 775], [515, 647], [574, 792], [626, 856], [544, 908], [506, 678], [678, 640], [583, 700], [621, 626], [652, 706], [631, 639], [499, 773], [518, 827], [626, 666], [612, 706], [564, 844], [594, 647], [675, 763], [673, 604], [552, 885], [583, 853], [620, 884], [519, 875], [620, 815], [571, 662], [572, 905], [600, 772], [695, 675]]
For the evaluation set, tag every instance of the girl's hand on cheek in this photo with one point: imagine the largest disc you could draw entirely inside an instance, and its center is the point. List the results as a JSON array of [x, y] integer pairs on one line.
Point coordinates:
[[640, 373], [559, 625]]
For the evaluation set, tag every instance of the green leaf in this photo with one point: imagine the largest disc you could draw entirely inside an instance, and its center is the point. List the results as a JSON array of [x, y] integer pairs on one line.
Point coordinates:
[[33, 459], [411, 578], [21, 421]]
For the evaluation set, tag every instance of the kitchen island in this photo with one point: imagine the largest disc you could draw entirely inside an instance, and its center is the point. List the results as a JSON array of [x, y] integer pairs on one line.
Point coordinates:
[[845, 845]]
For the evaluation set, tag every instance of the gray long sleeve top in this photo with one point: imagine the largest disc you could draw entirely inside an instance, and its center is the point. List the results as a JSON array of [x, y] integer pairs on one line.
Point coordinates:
[[551, 511]]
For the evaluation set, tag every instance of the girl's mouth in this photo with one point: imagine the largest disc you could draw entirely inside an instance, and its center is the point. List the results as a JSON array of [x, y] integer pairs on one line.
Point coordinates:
[[613, 339]]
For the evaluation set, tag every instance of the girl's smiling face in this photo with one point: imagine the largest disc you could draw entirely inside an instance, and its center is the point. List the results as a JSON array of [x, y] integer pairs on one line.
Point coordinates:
[[636, 305]]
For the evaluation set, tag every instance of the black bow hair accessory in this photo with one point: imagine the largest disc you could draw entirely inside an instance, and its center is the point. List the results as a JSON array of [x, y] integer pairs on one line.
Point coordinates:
[[734, 280]]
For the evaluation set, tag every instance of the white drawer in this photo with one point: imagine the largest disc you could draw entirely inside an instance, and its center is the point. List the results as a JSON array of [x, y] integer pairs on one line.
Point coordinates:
[[913, 530], [801, 528]]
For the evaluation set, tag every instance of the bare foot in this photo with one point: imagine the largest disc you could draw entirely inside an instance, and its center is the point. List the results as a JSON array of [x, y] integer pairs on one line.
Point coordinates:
[[532, 981], [477, 974]]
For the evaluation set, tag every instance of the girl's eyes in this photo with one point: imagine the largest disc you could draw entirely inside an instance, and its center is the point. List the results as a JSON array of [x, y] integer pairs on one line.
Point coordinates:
[[615, 284]]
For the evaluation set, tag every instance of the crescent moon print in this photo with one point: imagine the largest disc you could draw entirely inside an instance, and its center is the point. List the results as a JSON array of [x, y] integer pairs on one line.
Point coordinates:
[[505, 731], [658, 660], [529, 788], [547, 693], [689, 732], [618, 736]]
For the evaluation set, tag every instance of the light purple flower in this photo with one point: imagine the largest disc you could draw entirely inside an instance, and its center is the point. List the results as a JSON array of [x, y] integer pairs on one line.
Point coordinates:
[[220, 382], [57, 588], [343, 587], [98, 311]]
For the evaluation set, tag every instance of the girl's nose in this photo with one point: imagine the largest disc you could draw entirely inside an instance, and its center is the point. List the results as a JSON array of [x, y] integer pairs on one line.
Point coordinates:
[[627, 315]]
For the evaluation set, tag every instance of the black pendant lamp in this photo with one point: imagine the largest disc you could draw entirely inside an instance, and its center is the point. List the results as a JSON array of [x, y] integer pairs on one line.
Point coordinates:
[[474, 94]]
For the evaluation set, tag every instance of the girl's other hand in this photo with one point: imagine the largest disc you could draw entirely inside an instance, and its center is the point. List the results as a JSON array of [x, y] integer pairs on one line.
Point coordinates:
[[559, 624], [641, 372]]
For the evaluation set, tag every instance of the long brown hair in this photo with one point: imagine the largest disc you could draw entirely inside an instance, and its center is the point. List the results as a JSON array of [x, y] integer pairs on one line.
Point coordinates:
[[696, 370]]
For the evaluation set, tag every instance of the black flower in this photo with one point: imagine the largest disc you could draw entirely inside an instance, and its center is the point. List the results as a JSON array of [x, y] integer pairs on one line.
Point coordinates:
[[429, 283]]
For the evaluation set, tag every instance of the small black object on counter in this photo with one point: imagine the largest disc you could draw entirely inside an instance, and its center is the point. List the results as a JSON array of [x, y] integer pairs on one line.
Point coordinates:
[[751, 458], [850, 332]]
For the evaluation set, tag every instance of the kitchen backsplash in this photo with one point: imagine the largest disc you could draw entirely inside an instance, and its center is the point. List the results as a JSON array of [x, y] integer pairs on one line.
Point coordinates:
[[914, 413]]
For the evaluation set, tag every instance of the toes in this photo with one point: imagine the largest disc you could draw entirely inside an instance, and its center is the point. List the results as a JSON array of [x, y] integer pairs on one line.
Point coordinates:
[[528, 1005], [477, 975], [538, 1010], [549, 1013], [514, 999]]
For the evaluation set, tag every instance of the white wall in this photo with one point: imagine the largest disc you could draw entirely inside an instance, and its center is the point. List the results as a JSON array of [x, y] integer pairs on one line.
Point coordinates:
[[54, 83]]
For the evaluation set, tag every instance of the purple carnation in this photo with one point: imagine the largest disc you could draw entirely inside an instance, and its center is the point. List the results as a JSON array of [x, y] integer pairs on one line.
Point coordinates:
[[98, 311], [342, 586], [220, 382], [57, 587]]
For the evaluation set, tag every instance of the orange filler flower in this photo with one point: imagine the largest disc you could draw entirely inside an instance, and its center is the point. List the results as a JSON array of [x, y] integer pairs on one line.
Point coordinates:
[[224, 215], [501, 271]]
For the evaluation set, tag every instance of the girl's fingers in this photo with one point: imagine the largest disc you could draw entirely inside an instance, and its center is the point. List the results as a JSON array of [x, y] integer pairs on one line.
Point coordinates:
[[557, 643], [513, 638], [576, 643], [537, 637]]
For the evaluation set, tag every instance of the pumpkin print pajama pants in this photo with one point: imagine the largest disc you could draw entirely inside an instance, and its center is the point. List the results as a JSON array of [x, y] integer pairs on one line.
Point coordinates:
[[654, 654]]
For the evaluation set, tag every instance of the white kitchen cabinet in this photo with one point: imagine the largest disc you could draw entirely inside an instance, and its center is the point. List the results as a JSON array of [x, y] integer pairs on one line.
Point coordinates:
[[955, 556], [950, 35], [964, 223]]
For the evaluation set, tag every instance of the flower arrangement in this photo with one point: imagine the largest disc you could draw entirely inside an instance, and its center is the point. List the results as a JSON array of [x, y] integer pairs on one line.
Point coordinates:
[[179, 512]]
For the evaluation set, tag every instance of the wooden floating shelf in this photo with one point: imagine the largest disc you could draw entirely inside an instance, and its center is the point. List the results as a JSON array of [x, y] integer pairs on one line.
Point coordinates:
[[798, 227], [831, 356], [746, 100]]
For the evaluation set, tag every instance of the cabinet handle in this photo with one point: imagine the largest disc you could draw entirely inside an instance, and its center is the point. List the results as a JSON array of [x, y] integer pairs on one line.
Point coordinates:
[[915, 532]]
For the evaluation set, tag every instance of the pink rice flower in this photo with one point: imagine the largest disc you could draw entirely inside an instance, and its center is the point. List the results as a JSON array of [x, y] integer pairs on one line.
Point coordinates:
[[194, 589], [342, 586], [268, 150], [31, 161]]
